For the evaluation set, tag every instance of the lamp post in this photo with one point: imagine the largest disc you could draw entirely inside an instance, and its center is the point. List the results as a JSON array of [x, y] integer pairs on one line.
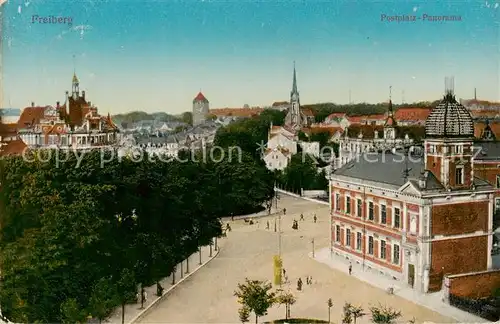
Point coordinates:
[[210, 248], [199, 250], [312, 243]]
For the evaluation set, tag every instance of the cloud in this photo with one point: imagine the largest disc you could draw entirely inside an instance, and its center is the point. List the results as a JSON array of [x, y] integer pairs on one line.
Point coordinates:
[[415, 9]]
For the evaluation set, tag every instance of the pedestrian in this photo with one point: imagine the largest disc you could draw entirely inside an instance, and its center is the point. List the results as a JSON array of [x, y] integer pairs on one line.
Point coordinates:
[[232, 217], [315, 218], [284, 272], [307, 280], [267, 225], [301, 217], [350, 268], [310, 280], [299, 284]]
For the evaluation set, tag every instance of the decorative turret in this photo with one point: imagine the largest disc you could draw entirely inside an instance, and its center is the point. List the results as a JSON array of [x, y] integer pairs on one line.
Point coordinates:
[[390, 123], [449, 132]]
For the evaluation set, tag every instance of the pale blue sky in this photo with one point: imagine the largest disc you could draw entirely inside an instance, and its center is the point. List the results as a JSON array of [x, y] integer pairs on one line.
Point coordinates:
[[156, 55]]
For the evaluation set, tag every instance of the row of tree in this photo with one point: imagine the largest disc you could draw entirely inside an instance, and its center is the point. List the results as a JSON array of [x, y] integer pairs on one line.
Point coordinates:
[[78, 236], [257, 296], [322, 110]]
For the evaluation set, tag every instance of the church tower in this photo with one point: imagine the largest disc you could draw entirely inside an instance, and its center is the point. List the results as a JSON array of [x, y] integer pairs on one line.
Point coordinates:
[[390, 123], [449, 135], [75, 87], [294, 117]]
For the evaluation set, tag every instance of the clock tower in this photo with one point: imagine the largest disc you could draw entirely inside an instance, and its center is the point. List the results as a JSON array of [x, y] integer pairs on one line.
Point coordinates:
[[200, 109]]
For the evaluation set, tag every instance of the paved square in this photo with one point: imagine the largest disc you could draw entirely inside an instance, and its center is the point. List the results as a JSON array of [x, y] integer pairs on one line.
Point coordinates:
[[207, 297]]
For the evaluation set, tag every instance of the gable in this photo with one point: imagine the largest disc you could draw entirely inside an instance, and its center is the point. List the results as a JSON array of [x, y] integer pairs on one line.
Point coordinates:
[[409, 188]]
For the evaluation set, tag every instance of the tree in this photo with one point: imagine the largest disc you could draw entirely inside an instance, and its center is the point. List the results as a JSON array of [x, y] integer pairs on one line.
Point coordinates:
[[126, 290], [244, 314], [384, 315], [71, 312], [346, 316], [354, 312], [103, 299], [287, 299], [256, 295], [187, 117], [329, 302]]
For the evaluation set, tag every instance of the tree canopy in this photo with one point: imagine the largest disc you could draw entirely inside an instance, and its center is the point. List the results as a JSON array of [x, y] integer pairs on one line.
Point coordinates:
[[302, 173], [249, 133], [78, 236]]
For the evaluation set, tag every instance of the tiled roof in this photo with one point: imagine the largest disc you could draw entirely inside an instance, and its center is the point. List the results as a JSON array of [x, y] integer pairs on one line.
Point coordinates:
[[329, 129], [336, 115], [280, 103], [200, 97], [412, 114], [236, 112], [480, 126], [8, 129], [14, 147], [30, 116], [368, 131], [375, 117], [307, 112], [449, 119], [356, 119], [485, 113]]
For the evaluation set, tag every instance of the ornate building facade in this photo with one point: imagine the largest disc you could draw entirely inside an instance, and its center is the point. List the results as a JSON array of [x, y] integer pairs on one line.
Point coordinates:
[[76, 124], [419, 218], [371, 139]]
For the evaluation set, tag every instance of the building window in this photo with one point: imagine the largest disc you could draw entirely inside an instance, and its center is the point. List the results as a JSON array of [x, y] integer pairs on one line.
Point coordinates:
[[370, 210], [497, 204], [397, 217], [337, 233], [358, 241], [383, 214], [382, 249], [370, 245], [498, 181], [347, 205], [459, 175], [337, 202], [395, 254], [459, 149], [360, 208], [432, 149], [348, 237]]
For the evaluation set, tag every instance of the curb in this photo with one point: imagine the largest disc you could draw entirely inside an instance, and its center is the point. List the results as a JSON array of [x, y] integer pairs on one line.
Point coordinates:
[[241, 217], [166, 292]]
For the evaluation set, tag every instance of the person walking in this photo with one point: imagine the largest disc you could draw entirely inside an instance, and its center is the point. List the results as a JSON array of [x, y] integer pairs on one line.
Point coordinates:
[[301, 217], [267, 225], [315, 218], [350, 268]]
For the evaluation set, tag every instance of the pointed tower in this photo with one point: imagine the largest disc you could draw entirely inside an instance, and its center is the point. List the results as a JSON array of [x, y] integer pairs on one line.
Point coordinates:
[[293, 117], [75, 87], [449, 135], [390, 123]]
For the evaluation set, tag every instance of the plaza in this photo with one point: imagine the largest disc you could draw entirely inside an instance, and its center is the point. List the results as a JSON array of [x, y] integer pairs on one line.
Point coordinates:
[[207, 296]]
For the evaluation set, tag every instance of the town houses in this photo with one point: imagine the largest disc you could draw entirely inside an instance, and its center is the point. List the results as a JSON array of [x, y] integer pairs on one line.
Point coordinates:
[[421, 216], [76, 124]]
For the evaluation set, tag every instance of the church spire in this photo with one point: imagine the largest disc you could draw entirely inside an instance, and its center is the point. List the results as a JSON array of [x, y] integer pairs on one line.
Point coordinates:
[[294, 86]]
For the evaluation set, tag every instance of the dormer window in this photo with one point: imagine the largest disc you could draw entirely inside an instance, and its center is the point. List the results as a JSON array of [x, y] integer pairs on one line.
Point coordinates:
[[459, 175]]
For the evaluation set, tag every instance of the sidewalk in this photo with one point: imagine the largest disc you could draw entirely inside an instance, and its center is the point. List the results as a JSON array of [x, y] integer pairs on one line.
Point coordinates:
[[133, 311], [432, 301]]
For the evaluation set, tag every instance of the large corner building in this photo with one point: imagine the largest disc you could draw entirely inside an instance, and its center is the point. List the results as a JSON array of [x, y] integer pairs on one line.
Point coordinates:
[[423, 215]]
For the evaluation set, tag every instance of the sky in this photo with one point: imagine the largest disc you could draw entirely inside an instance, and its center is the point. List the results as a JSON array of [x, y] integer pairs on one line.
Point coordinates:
[[157, 55]]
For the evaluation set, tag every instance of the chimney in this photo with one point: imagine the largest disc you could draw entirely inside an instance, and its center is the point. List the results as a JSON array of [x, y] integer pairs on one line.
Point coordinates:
[[58, 104], [32, 104], [422, 180], [83, 94]]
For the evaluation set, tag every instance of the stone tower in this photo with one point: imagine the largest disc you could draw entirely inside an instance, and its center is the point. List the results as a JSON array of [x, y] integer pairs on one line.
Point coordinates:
[[200, 109]]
